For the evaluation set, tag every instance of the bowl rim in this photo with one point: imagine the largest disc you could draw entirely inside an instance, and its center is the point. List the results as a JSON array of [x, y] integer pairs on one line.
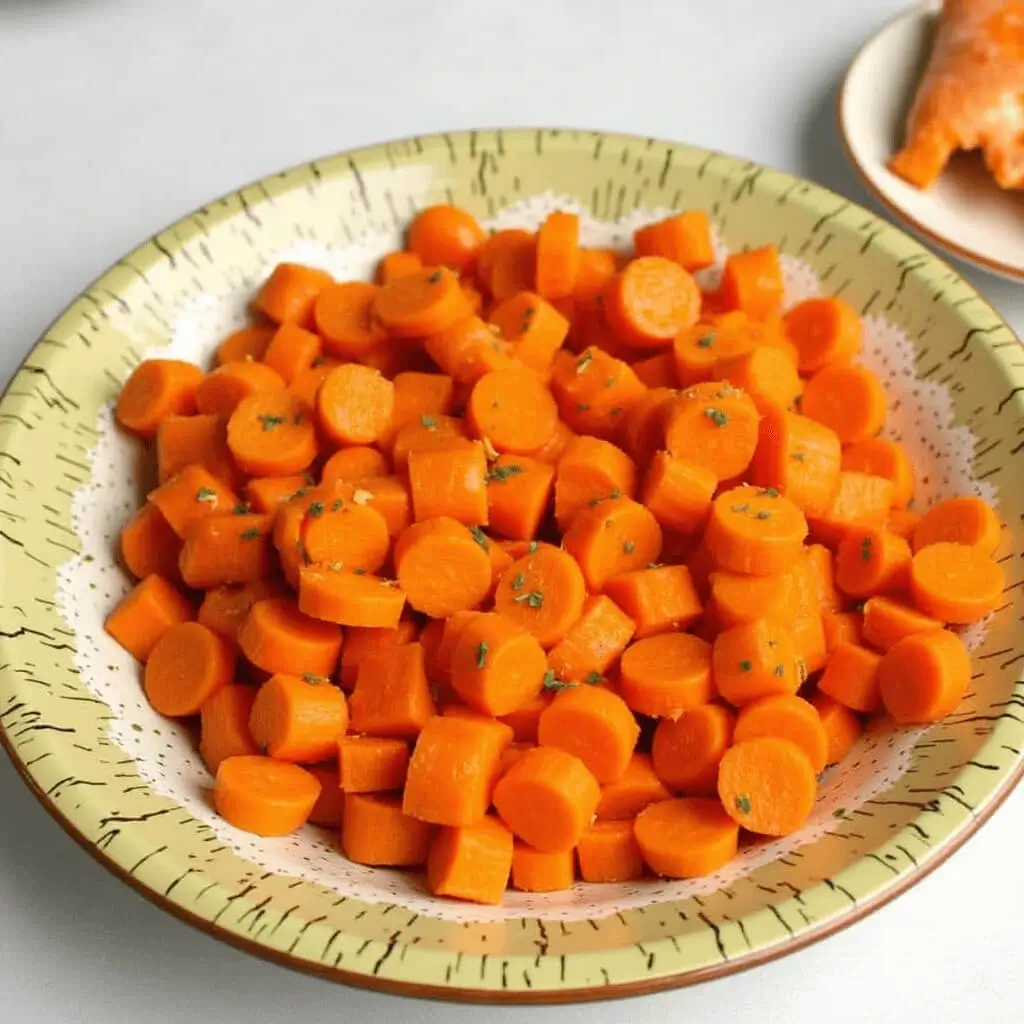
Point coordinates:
[[797, 938], [972, 256]]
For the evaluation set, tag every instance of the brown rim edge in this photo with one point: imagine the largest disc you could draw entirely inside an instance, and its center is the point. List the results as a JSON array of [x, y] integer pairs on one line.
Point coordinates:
[[445, 993], [967, 255], [577, 995]]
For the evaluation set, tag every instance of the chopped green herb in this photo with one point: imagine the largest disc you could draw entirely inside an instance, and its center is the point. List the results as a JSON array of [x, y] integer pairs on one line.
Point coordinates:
[[610, 382], [240, 510], [434, 277], [614, 493], [499, 474], [552, 682], [207, 494], [270, 421], [532, 546], [763, 515], [615, 410], [780, 670], [481, 654], [769, 492], [707, 341], [628, 547], [582, 407], [359, 572], [594, 679], [745, 666], [319, 361], [535, 599], [428, 422], [528, 312], [314, 680], [480, 537], [797, 457], [519, 582], [336, 505], [316, 509], [300, 493], [584, 361], [743, 804], [250, 534], [739, 508], [716, 416], [866, 549]]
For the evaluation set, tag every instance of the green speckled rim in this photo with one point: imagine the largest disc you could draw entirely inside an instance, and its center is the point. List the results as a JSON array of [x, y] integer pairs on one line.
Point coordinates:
[[55, 730]]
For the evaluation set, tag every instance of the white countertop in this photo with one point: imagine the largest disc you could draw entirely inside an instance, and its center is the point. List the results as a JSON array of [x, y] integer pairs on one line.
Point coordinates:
[[119, 116]]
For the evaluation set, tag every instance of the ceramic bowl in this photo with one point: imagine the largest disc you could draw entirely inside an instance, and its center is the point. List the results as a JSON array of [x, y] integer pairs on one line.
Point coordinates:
[[128, 785]]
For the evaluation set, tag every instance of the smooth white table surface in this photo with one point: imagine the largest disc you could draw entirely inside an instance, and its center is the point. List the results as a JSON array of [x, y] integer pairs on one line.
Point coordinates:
[[119, 116]]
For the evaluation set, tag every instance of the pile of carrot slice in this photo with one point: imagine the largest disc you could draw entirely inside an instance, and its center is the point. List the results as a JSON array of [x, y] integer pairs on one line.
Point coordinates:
[[531, 563]]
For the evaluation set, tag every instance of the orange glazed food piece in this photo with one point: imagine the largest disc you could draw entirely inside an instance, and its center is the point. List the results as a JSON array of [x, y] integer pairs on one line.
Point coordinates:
[[971, 96]]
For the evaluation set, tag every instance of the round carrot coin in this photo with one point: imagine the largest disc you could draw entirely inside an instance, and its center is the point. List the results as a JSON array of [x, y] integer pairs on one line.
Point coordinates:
[[443, 567], [264, 796], [513, 410], [686, 838], [715, 426], [650, 301], [543, 592], [426, 302], [344, 318], [188, 664], [924, 677], [667, 674], [755, 530], [955, 583], [355, 404], [967, 520], [272, 434], [686, 752], [157, 388], [849, 399], [767, 785], [445, 236]]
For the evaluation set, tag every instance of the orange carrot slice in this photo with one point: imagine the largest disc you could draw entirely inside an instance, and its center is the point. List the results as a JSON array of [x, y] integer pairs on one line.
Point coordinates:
[[767, 785], [543, 593], [593, 724], [636, 788], [354, 404], [752, 282], [443, 567], [344, 318], [299, 719], [788, 717], [547, 798], [650, 301], [513, 410], [272, 434], [870, 561], [423, 303], [659, 600], [615, 536], [684, 238], [186, 666], [713, 425], [924, 677], [882, 457], [593, 643], [392, 696], [376, 831], [755, 659], [755, 530], [851, 677], [445, 236], [534, 871], [349, 598], [289, 294], [686, 753], [224, 725], [264, 796], [145, 614], [608, 852], [825, 331], [156, 389], [848, 399], [558, 255], [278, 638], [888, 621], [686, 838], [454, 769], [842, 726], [372, 764], [666, 675], [955, 583], [965, 520]]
